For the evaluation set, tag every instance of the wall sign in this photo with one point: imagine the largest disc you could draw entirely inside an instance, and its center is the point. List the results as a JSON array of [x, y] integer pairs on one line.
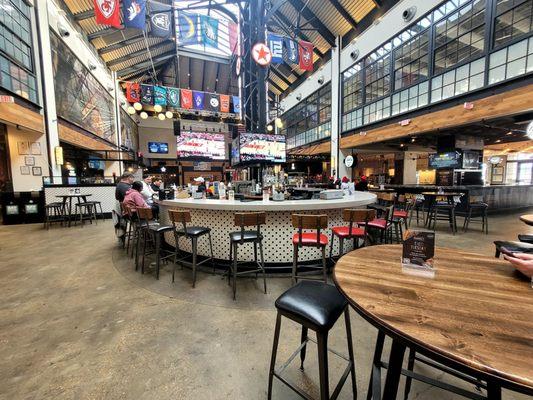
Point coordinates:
[[261, 54], [348, 161]]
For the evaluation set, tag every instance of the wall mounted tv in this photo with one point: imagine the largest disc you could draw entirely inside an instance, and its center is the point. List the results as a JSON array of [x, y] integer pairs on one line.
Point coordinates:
[[262, 147], [201, 145], [451, 159], [158, 147]]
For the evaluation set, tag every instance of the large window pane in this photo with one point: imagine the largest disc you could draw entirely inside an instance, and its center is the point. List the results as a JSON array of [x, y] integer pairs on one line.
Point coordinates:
[[513, 19], [352, 88], [411, 61]]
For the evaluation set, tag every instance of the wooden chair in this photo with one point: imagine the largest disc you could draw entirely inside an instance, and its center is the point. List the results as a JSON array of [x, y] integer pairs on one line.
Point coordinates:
[[309, 239], [352, 216]]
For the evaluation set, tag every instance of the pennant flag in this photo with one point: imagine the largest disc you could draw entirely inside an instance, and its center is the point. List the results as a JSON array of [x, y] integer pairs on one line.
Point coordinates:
[[233, 31], [133, 92], [160, 95], [187, 29], [198, 100], [305, 50], [224, 103], [292, 50], [209, 30], [147, 94], [160, 19], [173, 97], [275, 43], [236, 104], [134, 12], [186, 98], [107, 12], [213, 102]]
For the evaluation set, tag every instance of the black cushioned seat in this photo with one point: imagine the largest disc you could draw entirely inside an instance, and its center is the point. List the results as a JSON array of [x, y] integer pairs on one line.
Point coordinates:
[[248, 236], [518, 247], [160, 228], [314, 304], [526, 238], [194, 231]]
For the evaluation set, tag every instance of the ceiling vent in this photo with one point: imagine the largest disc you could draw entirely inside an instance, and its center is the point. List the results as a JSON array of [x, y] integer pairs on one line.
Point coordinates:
[[409, 14]]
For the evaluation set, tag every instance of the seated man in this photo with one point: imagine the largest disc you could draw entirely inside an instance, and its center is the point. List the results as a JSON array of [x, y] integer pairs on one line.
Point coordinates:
[[156, 184], [134, 199], [148, 194]]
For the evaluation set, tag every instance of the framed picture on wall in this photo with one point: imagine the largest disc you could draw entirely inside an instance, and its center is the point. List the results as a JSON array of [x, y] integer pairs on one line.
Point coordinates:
[[23, 148], [36, 171], [29, 161], [24, 170], [35, 148]]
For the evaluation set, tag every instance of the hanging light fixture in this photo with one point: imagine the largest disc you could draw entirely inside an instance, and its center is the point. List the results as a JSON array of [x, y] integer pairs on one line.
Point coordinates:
[[138, 106], [144, 115], [131, 110], [169, 114], [269, 128], [161, 117], [158, 108], [278, 122]]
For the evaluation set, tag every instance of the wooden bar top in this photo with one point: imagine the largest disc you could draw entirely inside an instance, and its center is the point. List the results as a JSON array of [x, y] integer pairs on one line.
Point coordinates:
[[477, 311]]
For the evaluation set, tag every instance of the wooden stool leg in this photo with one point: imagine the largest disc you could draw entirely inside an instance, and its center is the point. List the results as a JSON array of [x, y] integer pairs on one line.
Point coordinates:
[[322, 343], [273, 357]]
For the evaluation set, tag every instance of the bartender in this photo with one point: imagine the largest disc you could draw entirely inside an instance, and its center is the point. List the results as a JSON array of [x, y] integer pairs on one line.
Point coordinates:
[[200, 182]]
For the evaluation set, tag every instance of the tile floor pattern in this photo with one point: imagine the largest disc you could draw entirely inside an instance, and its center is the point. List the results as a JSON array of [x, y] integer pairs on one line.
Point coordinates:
[[76, 322]]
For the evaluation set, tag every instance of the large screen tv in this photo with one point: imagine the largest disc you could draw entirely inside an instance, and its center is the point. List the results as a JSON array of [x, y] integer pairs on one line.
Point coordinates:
[[262, 147], [202, 145], [451, 159], [158, 147]]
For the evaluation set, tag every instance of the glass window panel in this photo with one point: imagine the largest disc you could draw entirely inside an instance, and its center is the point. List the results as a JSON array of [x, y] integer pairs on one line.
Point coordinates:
[[476, 81], [498, 58], [514, 18], [529, 63], [515, 68], [517, 50], [461, 86], [436, 95], [497, 74], [448, 91]]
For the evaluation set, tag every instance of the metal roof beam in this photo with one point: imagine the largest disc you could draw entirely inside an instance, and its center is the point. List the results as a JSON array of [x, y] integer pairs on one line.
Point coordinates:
[[100, 33], [84, 15], [275, 86], [280, 76], [288, 26], [119, 45], [138, 53], [302, 8], [160, 59], [345, 14]]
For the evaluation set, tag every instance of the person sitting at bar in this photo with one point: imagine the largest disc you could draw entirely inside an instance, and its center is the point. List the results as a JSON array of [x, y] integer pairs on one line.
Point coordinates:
[[148, 194], [123, 186], [523, 262], [134, 199], [362, 185], [156, 184]]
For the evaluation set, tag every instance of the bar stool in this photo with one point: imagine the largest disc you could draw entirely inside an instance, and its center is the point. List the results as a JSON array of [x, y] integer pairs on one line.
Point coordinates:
[[309, 239], [525, 238], [154, 231], [244, 220], [180, 219], [443, 211], [352, 216], [384, 225], [97, 207], [316, 306], [86, 211], [54, 212], [477, 209]]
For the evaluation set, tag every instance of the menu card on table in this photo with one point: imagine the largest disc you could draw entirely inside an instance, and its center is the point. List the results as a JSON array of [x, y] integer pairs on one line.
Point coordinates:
[[418, 252]]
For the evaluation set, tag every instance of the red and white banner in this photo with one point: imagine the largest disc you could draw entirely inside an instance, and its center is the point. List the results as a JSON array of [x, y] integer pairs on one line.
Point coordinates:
[[107, 12], [186, 98], [305, 50]]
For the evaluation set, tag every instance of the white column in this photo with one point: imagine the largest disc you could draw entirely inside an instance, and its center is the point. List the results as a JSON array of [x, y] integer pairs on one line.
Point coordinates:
[[47, 78], [118, 119], [337, 157], [409, 167]]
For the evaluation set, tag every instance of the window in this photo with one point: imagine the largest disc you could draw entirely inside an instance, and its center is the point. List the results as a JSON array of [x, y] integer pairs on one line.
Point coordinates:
[[513, 19], [352, 88], [377, 73], [460, 36], [460, 80], [511, 61]]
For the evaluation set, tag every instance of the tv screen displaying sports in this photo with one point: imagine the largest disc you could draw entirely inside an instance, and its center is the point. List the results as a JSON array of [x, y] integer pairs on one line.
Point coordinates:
[[158, 147], [445, 160], [262, 147], [202, 145]]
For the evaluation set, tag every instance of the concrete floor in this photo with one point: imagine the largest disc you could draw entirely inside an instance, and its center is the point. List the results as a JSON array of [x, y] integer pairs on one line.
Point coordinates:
[[77, 322]]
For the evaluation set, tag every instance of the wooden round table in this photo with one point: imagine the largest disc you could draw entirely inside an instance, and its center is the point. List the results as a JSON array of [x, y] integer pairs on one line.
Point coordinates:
[[527, 219], [474, 316]]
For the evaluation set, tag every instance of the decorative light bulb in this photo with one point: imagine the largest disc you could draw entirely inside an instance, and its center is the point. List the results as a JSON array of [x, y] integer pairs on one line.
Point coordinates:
[[269, 128], [158, 108], [278, 122], [138, 106], [144, 115], [161, 117], [169, 114], [131, 110]]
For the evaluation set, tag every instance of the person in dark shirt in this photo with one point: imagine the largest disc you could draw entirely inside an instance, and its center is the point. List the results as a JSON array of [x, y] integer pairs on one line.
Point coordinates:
[[124, 185], [362, 185], [156, 184]]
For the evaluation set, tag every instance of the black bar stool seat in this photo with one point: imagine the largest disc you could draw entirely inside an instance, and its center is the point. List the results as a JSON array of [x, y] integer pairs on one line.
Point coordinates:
[[526, 238], [518, 247], [246, 236], [193, 231]]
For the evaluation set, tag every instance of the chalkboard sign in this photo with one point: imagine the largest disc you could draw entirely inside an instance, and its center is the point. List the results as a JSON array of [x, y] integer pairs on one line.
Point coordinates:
[[451, 159]]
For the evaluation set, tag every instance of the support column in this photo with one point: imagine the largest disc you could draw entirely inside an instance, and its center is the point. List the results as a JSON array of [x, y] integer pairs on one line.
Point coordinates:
[[47, 86], [337, 168], [409, 167]]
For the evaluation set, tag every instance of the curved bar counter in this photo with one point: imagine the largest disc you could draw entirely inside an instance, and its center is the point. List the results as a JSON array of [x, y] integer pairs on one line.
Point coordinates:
[[278, 231]]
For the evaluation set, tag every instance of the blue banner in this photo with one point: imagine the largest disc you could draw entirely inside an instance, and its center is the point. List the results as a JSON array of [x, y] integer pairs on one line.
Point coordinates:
[[134, 12], [236, 104], [209, 30], [275, 43], [160, 95], [292, 51], [160, 19], [173, 97], [197, 100], [187, 29]]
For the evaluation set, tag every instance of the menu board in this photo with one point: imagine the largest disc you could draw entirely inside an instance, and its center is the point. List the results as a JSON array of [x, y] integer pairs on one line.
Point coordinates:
[[451, 159], [262, 147], [418, 249], [202, 145]]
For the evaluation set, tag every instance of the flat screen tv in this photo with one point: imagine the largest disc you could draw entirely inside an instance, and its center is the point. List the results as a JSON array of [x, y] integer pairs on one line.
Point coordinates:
[[158, 147], [202, 145], [262, 147], [451, 159], [471, 159]]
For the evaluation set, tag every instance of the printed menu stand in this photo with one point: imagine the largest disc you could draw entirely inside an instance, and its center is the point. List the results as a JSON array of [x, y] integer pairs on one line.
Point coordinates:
[[418, 252]]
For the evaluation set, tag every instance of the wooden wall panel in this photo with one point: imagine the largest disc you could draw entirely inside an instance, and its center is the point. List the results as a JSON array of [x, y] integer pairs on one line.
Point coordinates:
[[513, 102], [15, 114], [75, 138]]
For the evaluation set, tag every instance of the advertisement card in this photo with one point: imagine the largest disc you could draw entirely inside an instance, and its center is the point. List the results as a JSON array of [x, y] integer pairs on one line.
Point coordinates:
[[419, 251]]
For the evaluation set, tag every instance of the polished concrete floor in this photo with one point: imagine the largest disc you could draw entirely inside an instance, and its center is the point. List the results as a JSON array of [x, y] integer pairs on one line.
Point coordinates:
[[77, 322]]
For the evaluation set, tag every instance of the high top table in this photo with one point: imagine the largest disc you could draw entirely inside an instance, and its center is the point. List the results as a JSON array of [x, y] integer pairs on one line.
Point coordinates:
[[80, 197], [474, 316]]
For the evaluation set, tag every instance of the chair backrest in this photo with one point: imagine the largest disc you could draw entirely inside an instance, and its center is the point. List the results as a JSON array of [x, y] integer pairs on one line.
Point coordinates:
[[388, 197], [179, 217], [358, 215], [250, 219], [145, 214], [305, 221]]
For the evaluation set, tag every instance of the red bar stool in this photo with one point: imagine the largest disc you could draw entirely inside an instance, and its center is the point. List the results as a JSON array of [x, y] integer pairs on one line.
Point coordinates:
[[309, 239], [352, 216], [383, 225]]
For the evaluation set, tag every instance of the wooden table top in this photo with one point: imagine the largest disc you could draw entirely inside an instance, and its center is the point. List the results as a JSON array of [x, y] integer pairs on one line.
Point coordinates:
[[477, 311], [442, 194], [528, 219]]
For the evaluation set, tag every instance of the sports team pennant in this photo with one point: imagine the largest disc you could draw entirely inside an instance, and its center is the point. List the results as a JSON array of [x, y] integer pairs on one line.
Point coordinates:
[[173, 97], [212, 102], [134, 12], [275, 43], [187, 29], [160, 95], [233, 32], [292, 51], [224, 103], [160, 19], [186, 99], [236, 104], [133, 92], [209, 31], [197, 100], [305, 50], [147, 94], [107, 12]]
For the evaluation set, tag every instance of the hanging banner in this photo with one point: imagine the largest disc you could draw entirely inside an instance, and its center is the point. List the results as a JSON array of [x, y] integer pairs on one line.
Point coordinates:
[[236, 104], [147, 94], [275, 43], [209, 31], [305, 50], [107, 12], [292, 51], [186, 98], [160, 19], [233, 31], [198, 100], [160, 95], [224, 103], [133, 92], [212, 102], [134, 12], [173, 97], [187, 29]]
